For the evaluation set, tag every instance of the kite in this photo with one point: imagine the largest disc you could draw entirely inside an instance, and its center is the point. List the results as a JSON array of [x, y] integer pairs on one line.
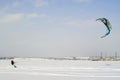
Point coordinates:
[[107, 24]]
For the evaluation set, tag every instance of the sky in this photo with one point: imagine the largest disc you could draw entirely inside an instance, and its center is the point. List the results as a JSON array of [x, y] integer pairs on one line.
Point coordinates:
[[58, 28]]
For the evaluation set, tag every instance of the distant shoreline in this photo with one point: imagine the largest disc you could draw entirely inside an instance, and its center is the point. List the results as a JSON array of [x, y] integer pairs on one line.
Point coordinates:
[[66, 58]]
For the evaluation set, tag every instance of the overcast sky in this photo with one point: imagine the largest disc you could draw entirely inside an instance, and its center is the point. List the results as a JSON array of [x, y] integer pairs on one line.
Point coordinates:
[[58, 28]]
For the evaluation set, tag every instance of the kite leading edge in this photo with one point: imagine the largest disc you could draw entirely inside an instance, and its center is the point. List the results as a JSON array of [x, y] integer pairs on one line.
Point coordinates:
[[107, 24]]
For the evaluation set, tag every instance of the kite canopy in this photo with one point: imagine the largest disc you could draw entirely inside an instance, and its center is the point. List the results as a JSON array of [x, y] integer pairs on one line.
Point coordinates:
[[107, 24]]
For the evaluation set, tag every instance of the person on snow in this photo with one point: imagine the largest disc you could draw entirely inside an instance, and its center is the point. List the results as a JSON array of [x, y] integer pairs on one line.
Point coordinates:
[[13, 63]]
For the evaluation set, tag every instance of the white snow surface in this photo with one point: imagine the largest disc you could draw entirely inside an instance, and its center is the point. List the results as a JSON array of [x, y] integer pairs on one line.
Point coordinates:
[[43, 69]]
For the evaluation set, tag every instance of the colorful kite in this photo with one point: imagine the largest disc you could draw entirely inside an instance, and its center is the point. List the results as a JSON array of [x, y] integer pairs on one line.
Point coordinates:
[[107, 24]]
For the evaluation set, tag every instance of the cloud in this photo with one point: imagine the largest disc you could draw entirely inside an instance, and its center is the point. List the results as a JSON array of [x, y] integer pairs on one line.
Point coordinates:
[[41, 3], [12, 5], [16, 4], [88, 22], [11, 18], [35, 15], [4, 9], [82, 1]]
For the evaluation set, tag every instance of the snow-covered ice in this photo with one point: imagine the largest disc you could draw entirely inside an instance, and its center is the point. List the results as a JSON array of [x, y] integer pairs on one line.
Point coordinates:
[[43, 69]]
